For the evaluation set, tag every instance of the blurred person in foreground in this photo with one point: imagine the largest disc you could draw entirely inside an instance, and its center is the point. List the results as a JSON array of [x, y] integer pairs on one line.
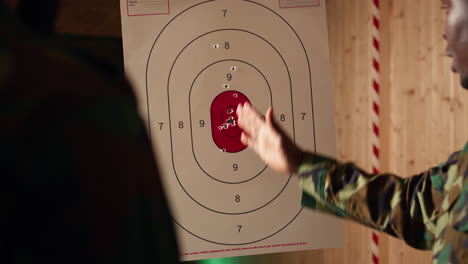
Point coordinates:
[[428, 211], [79, 178]]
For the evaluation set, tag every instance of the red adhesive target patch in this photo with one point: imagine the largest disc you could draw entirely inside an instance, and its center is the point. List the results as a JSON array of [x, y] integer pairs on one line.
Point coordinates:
[[224, 129]]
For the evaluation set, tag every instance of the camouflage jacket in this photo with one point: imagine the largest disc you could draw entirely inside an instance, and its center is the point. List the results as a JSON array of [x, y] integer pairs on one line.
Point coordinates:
[[428, 211], [79, 182]]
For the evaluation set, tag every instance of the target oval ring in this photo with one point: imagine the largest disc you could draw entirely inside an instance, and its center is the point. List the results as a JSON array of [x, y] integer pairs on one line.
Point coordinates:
[[194, 54], [196, 188], [157, 78], [213, 174], [270, 103]]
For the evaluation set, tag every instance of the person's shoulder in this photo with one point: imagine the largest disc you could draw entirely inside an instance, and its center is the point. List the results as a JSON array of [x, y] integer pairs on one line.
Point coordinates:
[[38, 67], [463, 157], [48, 70], [464, 152], [463, 164], [457, 156]]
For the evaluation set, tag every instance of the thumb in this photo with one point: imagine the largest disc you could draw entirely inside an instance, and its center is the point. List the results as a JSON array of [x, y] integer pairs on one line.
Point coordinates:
[[270, 119]]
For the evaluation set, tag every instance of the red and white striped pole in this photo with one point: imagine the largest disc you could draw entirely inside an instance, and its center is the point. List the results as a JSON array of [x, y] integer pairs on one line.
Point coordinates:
[[375, 109]]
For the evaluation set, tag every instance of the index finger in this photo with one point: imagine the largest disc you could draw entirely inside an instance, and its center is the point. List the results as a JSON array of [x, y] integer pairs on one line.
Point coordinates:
[[249, 120]]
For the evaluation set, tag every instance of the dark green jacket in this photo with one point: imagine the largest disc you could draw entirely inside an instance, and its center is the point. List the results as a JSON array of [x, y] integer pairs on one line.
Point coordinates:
[[79, 182]]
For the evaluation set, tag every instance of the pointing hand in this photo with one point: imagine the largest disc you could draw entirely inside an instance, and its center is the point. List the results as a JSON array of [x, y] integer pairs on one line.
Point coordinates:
[[268, 140]]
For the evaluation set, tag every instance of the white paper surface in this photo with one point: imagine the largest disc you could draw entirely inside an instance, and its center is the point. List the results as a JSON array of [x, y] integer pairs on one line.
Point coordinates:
[[182, 57]]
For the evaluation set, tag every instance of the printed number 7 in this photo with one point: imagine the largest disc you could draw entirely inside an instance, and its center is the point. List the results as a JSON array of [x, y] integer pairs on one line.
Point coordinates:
[[224, 13]]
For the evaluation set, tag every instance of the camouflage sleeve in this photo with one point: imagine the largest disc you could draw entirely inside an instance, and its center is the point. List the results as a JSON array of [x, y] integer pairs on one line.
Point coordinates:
[[402, 207]]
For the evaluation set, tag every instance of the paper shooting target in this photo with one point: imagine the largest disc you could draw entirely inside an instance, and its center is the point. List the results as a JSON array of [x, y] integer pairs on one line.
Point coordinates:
[[204, 60]]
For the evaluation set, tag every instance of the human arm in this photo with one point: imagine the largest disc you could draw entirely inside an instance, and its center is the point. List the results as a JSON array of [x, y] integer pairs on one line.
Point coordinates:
[[403, 207], [407, 208]]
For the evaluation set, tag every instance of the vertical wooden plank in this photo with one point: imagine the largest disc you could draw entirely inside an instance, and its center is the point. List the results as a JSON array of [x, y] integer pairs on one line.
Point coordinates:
[[349, 33], [386, 127], [407, 104]]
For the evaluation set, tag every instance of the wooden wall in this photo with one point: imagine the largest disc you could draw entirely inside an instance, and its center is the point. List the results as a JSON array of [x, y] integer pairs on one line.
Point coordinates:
[[426, 117], [424, 111]]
